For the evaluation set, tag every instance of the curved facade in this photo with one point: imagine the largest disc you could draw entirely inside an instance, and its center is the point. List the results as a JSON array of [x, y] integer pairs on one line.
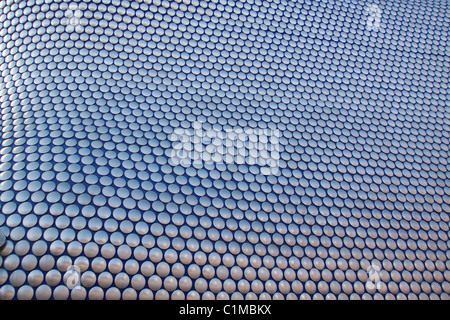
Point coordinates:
[[224, 149]]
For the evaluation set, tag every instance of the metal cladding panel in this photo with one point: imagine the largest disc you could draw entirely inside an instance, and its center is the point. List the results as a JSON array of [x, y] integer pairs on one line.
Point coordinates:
[[224, 149]]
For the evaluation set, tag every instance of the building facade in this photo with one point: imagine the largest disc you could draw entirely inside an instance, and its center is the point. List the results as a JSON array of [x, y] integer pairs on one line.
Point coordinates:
[[224, 149]]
